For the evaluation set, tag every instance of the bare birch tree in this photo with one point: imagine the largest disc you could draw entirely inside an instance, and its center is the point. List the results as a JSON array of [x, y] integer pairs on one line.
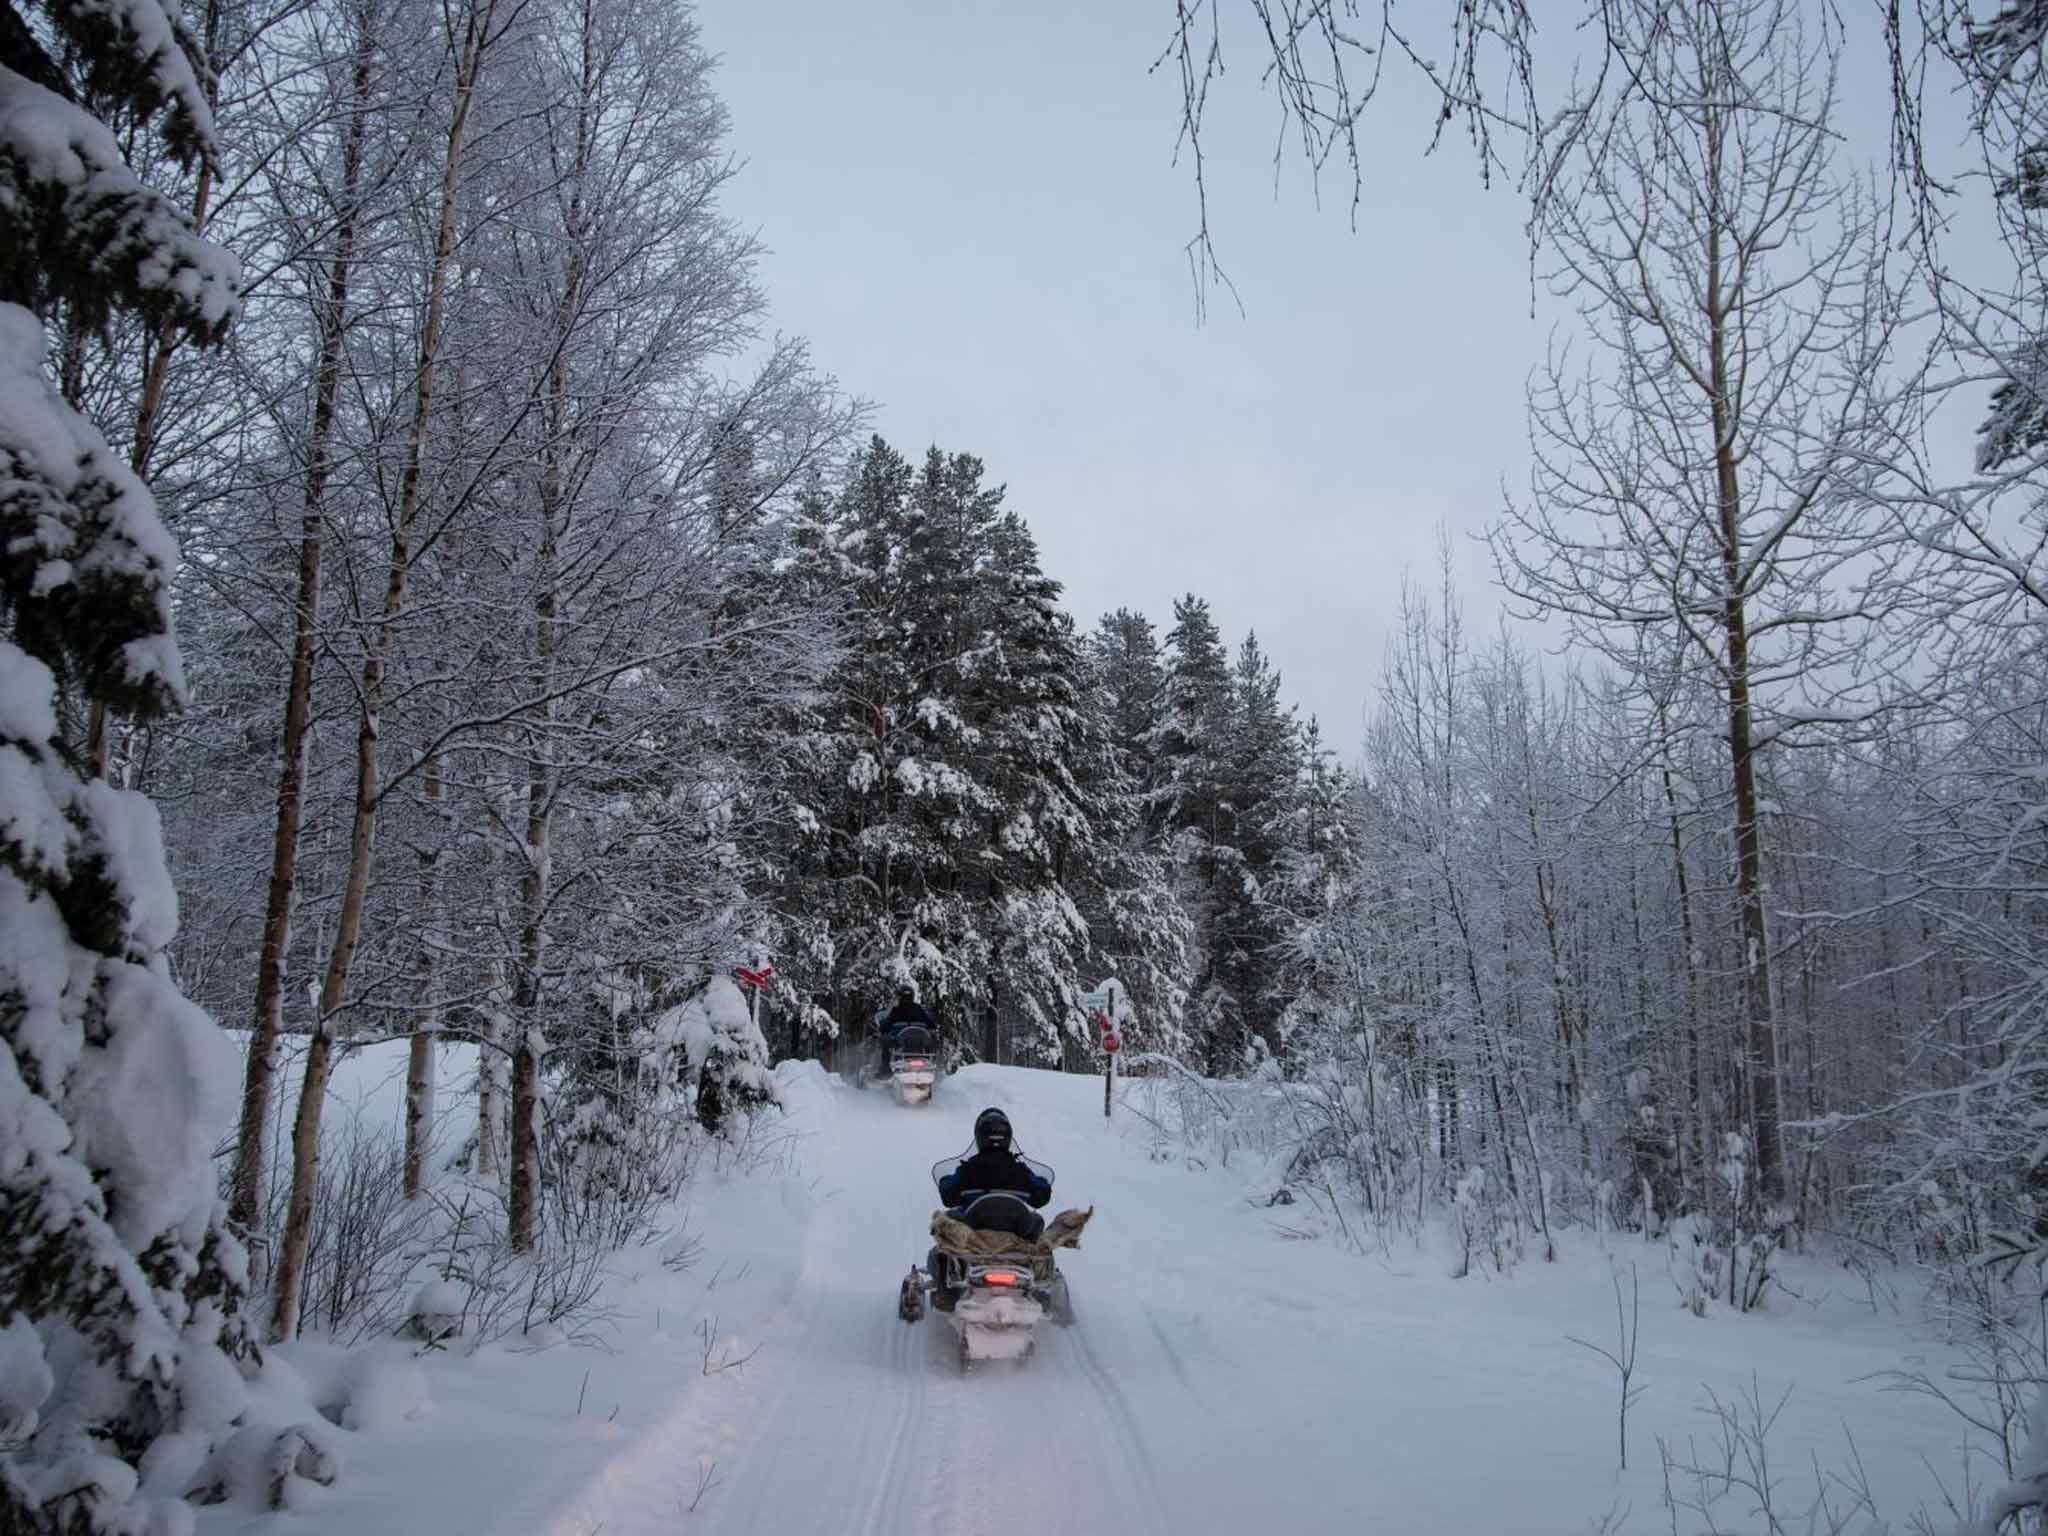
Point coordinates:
[[473, 30], [1705, 480], [331, 316]]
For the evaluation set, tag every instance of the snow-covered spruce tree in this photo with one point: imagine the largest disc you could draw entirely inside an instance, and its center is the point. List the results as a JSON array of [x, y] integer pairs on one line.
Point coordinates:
[[1130, 678], [120, 1288], [765, 508], [1191, 742], [1229, 766], [1197, 718], [1036, 732], [943, 816], [1318, 859], [2000, 328], [1263, 781], [1137, 928], [723, 1060], [825, 904]]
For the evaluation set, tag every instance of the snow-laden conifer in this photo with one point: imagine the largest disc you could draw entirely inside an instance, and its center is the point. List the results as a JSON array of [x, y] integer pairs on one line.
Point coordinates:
[[120, 1288]]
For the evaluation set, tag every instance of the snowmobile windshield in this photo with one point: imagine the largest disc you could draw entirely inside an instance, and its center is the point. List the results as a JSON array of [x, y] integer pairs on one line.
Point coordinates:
[[913, 1039], [946, 1165]]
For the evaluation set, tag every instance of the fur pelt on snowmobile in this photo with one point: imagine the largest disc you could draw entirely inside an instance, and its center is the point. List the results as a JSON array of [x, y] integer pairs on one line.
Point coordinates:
[[955, 1236]]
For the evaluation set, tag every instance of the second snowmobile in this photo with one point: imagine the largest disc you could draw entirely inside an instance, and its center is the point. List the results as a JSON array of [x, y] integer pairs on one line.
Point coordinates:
[[913, 1065]]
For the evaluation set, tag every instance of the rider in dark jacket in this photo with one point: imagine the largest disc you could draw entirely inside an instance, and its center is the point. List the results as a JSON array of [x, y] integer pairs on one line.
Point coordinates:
[[908, 1010], [908, 1013], [993, 1166]]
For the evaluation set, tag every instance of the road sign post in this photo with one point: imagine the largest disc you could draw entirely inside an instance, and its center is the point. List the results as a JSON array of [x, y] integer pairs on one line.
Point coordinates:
[[1101, 1007]]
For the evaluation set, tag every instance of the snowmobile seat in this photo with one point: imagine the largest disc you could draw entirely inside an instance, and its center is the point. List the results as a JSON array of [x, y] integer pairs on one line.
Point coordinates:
[[1001, 1211], [912, 1040]]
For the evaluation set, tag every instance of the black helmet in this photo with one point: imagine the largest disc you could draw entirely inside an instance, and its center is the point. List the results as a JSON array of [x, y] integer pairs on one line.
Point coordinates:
[[992, 1129], [904, 994]]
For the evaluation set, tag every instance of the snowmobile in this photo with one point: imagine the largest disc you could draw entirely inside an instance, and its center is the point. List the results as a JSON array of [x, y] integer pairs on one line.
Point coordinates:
[[913, 1065], [993, 1273]]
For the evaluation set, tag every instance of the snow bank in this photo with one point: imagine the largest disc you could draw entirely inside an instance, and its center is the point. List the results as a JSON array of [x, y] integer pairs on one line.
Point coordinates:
[[381, 1386], [304, 1413]]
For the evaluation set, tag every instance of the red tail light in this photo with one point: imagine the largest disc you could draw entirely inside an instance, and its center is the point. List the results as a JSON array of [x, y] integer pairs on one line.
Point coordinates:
[[999, 1277], [917, 1064]]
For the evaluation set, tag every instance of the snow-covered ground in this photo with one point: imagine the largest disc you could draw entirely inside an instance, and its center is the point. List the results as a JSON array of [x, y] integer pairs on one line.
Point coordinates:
[[1221, 1376]]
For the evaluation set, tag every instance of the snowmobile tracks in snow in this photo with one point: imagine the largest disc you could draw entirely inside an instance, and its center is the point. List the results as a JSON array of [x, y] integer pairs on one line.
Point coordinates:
[[1173, 1359], [1136, 1455], [899, 1459]]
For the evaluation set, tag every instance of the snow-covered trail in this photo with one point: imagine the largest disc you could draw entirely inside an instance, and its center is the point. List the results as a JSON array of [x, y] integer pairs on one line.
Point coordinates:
[[853, 1421], [1218, 1377], [1221, 1376]]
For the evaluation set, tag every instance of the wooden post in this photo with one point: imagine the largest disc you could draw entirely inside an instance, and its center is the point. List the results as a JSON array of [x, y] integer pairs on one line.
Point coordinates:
[[1108, 1056]]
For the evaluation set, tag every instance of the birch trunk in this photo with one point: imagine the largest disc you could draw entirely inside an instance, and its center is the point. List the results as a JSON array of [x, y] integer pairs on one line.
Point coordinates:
[[524, 1203], [426, 1033], [528, 1043], [348, 922], [252, 1145], [491, 1037]]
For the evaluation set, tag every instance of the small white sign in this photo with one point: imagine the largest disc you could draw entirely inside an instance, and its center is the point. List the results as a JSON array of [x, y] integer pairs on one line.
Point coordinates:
[[1105, 998]]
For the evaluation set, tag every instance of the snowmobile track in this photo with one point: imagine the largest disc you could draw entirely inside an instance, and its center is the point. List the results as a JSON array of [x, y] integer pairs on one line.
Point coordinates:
[[1173, 1359], [907, 1363], [1124, 1426]]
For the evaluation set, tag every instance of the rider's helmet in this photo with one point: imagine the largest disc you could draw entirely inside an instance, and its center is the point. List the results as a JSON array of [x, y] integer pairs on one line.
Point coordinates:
[[992, 1130], [905, 995]]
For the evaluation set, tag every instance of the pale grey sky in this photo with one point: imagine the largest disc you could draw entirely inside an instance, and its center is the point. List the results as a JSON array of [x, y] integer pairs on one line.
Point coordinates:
[[972, 213]]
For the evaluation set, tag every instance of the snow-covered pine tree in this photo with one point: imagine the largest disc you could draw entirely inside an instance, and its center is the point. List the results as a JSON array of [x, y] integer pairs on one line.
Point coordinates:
[[1229, 762], [1038, 738], [833, 871], [1197, 723], [1317, 862], [1138, 930], [1124, 661], [1188, 790], [120, 1287], [946, 801], [725, 1058], [1262, 769]]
